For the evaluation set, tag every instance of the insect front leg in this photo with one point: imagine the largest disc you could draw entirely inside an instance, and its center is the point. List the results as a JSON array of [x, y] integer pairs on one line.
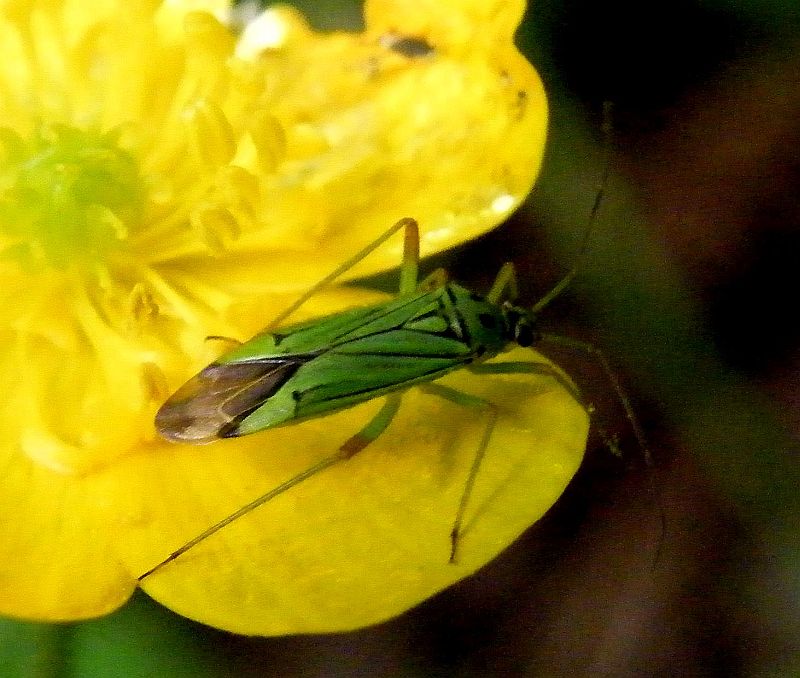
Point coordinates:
[[532, 367], [545, 369], [616, 384], [633, 420], [504, 285]]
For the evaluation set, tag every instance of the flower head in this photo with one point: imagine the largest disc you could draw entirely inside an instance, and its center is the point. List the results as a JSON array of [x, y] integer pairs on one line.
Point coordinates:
[[162, 179]]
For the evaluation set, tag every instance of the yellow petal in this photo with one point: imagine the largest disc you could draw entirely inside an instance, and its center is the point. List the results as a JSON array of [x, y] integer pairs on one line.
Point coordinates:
[[368, 132], [164, 179], [59, 559], [367, 539]]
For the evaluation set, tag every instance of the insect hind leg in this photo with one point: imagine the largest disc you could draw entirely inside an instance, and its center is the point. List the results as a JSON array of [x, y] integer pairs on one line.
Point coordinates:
[[374, 428], [352, 446], [408, 268]]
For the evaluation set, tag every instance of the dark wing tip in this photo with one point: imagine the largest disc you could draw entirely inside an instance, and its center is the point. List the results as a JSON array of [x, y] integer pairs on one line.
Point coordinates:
[[211, 404], [192, 414]]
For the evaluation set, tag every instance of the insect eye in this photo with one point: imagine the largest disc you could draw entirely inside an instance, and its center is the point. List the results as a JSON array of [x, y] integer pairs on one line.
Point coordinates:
[[524, 334]]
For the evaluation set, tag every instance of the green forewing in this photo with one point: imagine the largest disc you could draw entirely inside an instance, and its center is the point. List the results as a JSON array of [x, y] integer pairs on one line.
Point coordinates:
[[329, 363]]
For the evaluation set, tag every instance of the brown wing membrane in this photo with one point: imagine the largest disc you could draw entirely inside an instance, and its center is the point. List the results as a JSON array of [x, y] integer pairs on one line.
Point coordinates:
[[200, 410]]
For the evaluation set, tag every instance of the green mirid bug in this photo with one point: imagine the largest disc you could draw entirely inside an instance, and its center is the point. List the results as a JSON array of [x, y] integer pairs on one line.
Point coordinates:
[[289, 374]]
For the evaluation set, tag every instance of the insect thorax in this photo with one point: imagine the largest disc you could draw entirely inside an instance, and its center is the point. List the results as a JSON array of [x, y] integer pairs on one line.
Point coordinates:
[[488, 327]]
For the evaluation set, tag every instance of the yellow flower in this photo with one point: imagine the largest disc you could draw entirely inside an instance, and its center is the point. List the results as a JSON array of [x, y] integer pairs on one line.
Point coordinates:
[[162, 179]]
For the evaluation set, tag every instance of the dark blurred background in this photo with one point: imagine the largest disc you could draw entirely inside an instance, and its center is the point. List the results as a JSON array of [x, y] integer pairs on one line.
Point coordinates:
[[685, 568]]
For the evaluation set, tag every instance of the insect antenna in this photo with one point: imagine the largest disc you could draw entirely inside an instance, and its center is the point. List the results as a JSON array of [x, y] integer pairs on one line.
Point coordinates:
[[563, 284], [565, 281], [590, 349]]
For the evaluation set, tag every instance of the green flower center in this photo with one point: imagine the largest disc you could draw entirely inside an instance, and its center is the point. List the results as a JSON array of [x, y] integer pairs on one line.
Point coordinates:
[[67, 196]]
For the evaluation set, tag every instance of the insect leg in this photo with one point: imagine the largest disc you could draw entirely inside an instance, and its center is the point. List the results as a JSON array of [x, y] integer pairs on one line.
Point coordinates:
[[373, 429], [350, 448], [411, 245], [504, 285], [625, 401], [545, 369], [532, 367], [409, 267], [466, 400], [508, 367], [613, 379]]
